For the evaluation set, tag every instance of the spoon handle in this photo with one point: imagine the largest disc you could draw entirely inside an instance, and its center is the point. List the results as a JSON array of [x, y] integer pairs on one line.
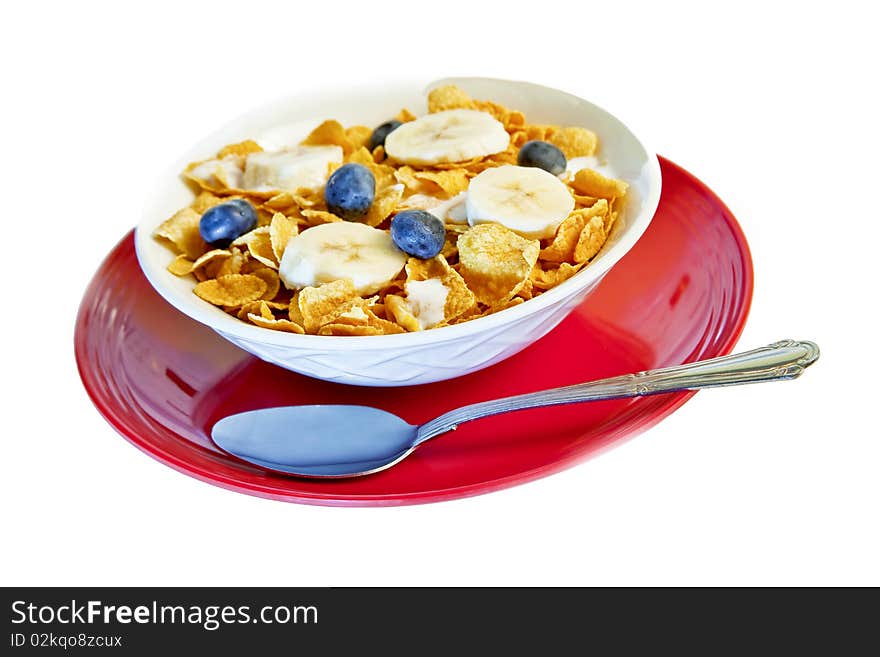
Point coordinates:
[[786, 359]]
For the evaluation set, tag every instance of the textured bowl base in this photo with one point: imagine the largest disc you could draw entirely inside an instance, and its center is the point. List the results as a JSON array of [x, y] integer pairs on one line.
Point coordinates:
[[682, 294]]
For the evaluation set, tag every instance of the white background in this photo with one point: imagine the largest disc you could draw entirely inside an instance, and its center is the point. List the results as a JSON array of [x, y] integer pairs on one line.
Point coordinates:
[[772, 105]]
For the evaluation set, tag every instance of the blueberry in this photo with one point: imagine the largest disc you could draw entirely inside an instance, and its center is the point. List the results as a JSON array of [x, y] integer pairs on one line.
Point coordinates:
[[379, 134], [418, 233], [223, 223], [350, 191], [542, 155]]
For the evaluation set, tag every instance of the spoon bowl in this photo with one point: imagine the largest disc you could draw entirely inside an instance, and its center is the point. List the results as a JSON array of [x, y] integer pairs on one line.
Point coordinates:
[[321, 440]]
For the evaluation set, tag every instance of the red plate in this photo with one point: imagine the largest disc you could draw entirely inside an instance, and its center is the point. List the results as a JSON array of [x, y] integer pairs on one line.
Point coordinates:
[[681, 294]]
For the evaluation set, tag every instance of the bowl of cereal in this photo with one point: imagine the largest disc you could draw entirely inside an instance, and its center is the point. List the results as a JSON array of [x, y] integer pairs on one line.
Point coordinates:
[[401, 237]]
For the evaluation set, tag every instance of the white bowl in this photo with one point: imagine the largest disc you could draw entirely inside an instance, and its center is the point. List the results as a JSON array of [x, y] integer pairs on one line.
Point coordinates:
[[410, 358]]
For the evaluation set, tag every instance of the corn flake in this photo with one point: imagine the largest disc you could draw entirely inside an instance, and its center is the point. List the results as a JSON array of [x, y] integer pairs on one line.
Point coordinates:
[[270, 278], [232, 290], [214, 255], [383, 173], [275, 324], [516, 120], [315, 217], [181, 266], [383, 205], [450, 246], [358, 136], [544, 279], [281, 230], [593, 183], [329, 133], [260, 248], [591, 239], [451, 181], [261, 307], [349, 329], [567, 235], [241, 149], [501, 113], [206, 200], [182, 232], [518, 138], [539, 132], [246, 238], [321, 305], [574, 141], [448, 97], [227, 266], [363, 315], [495, 261], [287, 200], [610, 218], [583, 201], [293, 311], [401, 312], [406, 176]]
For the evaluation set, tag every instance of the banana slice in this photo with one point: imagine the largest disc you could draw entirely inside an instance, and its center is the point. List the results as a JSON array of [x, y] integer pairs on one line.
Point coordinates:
[[450, 136], [290, 170], [225, 172], [331, 252], [527, 200]]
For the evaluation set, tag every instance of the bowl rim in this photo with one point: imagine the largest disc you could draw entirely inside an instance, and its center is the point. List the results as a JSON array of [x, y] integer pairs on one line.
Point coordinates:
[[250, 333]]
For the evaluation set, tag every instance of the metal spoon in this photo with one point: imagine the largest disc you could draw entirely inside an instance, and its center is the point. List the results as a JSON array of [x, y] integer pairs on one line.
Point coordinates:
[[351, 441]]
